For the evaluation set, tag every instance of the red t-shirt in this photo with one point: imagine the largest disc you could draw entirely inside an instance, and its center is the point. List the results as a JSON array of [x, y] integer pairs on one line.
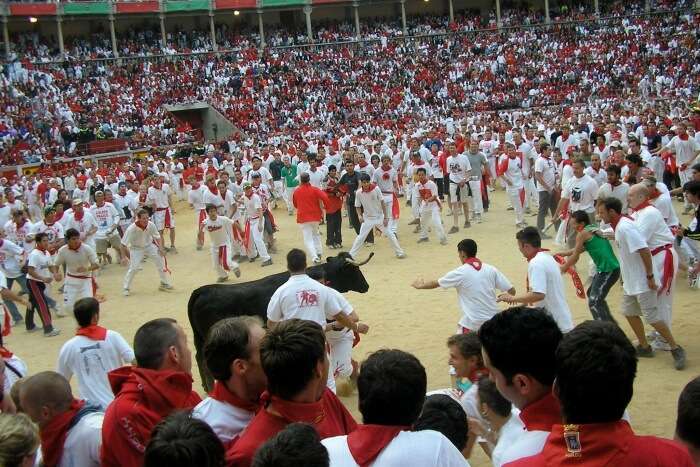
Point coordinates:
[[605, 444], [307, 200], [329, 416]]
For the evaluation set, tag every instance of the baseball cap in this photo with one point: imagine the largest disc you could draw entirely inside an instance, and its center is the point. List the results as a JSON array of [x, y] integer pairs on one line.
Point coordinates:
[[77, 201]]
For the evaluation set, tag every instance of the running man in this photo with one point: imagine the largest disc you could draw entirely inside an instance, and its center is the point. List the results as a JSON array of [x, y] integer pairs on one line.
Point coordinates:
[[220, 229], [80, 261]]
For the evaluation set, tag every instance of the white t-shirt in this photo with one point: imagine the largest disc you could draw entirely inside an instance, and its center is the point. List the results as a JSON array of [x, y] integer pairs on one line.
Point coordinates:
[[685, 149], [620, 192], [630, 240], [10, 376], [5, 214], [40, 261], [136, 237], [226, 420], [302, 297], [581, 193], [107, 218], [423, 188], [514, 172], [83, 226], [219, 230], [653, 227], [84, 257], [458, 167], [544, 277], [385, 179], [54, 231], [524, 443], [252, 205], [196, 197], [10, 254], [545, 166], [425, 448], [600, 176], [476, 290], [370, 202], [158, 198], [83, 442], [90, 361], [507, 437]]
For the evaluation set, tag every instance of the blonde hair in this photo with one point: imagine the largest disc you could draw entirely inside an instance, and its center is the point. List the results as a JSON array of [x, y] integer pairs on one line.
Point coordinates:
[[19, 438]]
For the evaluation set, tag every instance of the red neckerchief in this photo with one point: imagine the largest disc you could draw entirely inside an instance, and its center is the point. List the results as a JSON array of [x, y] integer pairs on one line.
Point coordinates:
[[53, 434], [655, 193], [542, 414], [19, 226], [79, 217], [362, 164], [5, 353], [614, 223], [371, 187], [420, 162], [141, 226], [601, 147], [94, 332], [386, 173], [683, 137], [474, 262], [43, 250], [142, 197], [641, 206], [214, 191], [367, 441], [222, 394], [195, 186], [305, 412]]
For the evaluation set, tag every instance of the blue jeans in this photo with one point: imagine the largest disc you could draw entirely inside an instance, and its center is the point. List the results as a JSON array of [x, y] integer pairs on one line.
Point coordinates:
[[600, 287]]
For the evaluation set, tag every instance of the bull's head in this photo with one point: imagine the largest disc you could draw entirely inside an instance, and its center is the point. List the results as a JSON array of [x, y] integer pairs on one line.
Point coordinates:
[[344, 274]]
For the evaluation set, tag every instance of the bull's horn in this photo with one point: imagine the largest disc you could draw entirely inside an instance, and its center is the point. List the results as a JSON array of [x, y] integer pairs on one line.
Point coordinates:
[[355, 263]]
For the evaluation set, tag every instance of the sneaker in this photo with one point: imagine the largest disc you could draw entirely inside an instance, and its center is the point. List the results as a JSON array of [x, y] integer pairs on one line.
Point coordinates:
[[266, 263], [222, 279], [678, 357], [34, 329], [443, 241], [454, 229], [56, 332], [660, 344], [401, 255], [252, 259], [478, 219], [510, 208], [414, 222], [644, 352], [422, 240], [125, 292], [164, 287], [317, 260], [237, 272], [467, 224]]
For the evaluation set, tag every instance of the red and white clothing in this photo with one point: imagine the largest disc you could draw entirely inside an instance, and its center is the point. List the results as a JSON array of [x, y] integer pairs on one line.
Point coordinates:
[[54, 231], [10, 258], [214, 198], [581, 193], [126, 206], [341, 342], [78, 284], [92, 353], [159, 199], [20, 234], [386, 180], [220, 232], [476, 283], [618, 191], [459, 170], [429, 211], [563, 143], [85, 224], [600, 176], [508, 434], [141, 242], [385, 446], [253, 233], [307, 199], [630, 240], [511, 169], [81, 432], [302, 297], [196, 199], [373, 217], [544, 276], [107, 218], [83, 194], [225, 413]]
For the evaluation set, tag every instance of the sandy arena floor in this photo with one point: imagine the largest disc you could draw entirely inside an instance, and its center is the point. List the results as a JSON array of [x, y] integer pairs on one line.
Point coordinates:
[[399, 316]]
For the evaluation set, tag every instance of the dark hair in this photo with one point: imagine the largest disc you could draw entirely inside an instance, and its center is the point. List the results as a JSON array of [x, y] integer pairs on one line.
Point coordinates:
[[688, 421], [152, 341], [696, 167], [580, 162], [364, 177], [612, 203], [297, 445], [421, 170], [614, 169], [289, 354], [593, 352], [209, 207], [635, 159], [580, 217], [227, 341], [489, 395], [332, 167], [40, 236], [72, 233], [468, 247], [522, 340], [391, 388], [84, 309], [468, 344], [180, 440], [296, 260], [445, 415], [692, 187], [529, 236]]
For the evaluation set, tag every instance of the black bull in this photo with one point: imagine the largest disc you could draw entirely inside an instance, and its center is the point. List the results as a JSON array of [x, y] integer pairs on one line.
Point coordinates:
[[211, 303]]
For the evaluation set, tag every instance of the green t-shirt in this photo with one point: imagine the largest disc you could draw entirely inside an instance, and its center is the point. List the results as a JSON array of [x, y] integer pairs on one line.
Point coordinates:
[[601, 252], [290, 176]]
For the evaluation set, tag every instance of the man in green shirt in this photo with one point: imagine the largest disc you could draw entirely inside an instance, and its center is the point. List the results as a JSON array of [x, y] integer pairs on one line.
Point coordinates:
[[603, 256], [290, 181]]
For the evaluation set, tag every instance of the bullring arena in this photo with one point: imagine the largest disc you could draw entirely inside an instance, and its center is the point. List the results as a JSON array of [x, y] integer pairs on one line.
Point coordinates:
[[399, 316]]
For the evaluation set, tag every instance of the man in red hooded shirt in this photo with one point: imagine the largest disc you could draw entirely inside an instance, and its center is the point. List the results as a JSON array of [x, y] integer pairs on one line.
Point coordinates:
[[158, 385], [295, 361]]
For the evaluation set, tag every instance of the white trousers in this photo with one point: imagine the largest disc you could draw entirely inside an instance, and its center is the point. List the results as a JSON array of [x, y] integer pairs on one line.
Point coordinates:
[[341, 353], [685, 176], [312, 240], [430, 217], [288, 193], [137, 256], [532, 198], [415, 201], [366, 228], [258, 240], [74, 289], [665, 302], [514, 197], [476, 203], [220, 257], [389, 201]]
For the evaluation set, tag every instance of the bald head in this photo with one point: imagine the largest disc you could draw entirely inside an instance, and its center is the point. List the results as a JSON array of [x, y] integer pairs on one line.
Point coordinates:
[[637, 195], [45, 395]]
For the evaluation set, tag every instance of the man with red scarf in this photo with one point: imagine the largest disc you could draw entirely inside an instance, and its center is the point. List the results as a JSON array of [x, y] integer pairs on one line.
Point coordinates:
[[386, 178], [40, 273], [92, 353], [391, 391], [160, 199], [308, 199], [79, 261], [160, 383], [295, 361], [69, 429], [592, 431], [639, 281], [195, 197], [232, 356], [686, 150], [220, 229], [84, 222]]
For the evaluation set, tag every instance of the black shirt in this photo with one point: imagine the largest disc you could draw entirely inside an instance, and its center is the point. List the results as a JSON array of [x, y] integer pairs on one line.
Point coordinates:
[[276, 169], [353, 183]]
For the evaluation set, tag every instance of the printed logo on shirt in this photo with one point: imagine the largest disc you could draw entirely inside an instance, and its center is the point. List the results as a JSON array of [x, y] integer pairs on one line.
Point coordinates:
[[306, 298]]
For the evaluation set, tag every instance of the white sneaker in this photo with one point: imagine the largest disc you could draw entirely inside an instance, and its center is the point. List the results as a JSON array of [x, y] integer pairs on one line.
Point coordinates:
[[164, 286], [125, 292], [401, 255], [478, 218]]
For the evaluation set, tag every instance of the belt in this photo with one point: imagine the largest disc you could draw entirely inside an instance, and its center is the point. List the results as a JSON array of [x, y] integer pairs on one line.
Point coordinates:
[[78, 277], [162, 209], [658, 250]]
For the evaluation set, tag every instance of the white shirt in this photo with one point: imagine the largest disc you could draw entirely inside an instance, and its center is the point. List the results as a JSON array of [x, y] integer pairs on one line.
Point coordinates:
[[196, 197], [159, 198], [370, 202], [126, 207], [620, 192], [85, 257], [219, 230], [545, 166], [106, 217], [476, 290], [600, 177], [425, 448], [83, 442], [84, 225], [653, 227], [507, 437], [302, 297], [544, 277], [40, 261], [685, 150], [5, 214], [581, 193], [524, 443], [227, 420], [136, 237], [90, 361], [629, 240], [252, 205], [10, 255], [458, 167], [421, 189], [385, 184], [514, 172], [10, 376]]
